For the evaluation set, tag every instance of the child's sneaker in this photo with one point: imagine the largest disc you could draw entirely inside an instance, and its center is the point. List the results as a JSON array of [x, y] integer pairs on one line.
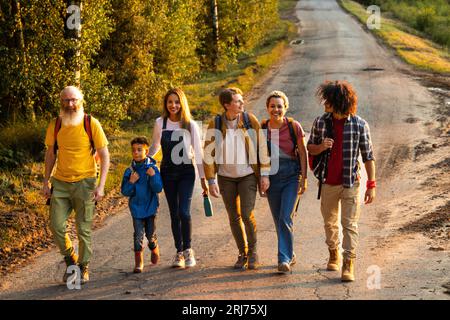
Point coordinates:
[[178, 261], [189, 258], [154, 255]]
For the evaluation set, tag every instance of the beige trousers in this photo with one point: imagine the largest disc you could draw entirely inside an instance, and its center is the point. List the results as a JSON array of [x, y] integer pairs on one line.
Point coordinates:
[[348, 199]]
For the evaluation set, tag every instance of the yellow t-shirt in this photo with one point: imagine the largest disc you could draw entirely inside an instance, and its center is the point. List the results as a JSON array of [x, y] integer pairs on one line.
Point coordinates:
[[74, 159]]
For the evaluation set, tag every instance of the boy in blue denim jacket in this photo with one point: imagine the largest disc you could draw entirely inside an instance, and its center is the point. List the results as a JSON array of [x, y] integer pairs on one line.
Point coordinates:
[[141, 183]]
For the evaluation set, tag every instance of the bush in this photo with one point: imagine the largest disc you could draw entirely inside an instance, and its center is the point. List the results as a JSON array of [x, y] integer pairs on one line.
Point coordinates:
[[425, 19], [22, 143]]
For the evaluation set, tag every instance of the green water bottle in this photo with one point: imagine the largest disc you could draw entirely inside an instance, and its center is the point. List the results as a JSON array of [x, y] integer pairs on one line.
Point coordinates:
[[207, 205]]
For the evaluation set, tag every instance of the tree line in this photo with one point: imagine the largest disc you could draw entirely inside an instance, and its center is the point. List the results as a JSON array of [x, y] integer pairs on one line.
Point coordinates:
[[128, 52]]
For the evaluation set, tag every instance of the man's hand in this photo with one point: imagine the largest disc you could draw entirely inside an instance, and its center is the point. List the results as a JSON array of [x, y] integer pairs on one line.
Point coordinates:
[[134, 177], [369, 196], [214, 190], [150, 172], [46, 190], [327, 143], [99, 193]]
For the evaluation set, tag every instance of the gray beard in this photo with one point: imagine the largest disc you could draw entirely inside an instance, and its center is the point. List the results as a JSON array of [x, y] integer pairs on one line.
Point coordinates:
[[71, 119]]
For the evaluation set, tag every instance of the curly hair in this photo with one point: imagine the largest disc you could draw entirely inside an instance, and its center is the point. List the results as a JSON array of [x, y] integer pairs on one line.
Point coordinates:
[[339, 95]]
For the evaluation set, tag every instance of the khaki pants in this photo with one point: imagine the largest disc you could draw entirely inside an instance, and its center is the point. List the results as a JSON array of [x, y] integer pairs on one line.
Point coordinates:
[[348, 199], [77, 196], [239, 195]]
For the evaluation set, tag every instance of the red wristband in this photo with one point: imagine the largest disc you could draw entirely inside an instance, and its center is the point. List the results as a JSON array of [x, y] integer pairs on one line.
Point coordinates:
[[371, 184]]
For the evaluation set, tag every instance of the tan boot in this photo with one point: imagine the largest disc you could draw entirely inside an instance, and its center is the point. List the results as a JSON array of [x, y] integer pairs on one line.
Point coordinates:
[[84, 274], [70, 261], [154, 257], [334, 261], [139, 261], [348, 270]]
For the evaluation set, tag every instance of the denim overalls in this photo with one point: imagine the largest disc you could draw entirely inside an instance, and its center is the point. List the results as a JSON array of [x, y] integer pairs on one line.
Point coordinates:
[[178, 183], [282, 194]]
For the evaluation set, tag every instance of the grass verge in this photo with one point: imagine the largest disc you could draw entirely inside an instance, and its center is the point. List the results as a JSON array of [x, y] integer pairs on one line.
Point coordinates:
[[408, 44]]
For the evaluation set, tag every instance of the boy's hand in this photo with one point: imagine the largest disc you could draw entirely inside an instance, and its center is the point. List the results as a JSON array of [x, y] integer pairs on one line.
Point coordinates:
[[150, 172], [134, 177]]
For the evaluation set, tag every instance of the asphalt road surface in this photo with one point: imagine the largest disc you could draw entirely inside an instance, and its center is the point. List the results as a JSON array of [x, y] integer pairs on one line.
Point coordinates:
[[335, 47]]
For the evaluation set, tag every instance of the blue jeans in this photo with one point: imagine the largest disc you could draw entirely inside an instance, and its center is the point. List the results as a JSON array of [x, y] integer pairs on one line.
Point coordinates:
[[178, 183], [145, 227], [281, 195]]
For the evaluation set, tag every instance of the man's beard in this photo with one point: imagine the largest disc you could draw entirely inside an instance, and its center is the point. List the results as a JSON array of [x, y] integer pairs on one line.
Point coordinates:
[[71, 118]]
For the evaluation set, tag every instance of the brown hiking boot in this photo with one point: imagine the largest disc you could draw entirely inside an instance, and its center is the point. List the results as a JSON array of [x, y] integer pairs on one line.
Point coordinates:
[[348, 270], [253, 261], [334, 261], [242, 262], [139, 261], [70, 261], [154, 257], [84, 274]]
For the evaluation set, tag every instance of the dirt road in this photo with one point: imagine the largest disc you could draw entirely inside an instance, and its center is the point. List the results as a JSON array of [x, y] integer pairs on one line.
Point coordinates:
[[401, 113]]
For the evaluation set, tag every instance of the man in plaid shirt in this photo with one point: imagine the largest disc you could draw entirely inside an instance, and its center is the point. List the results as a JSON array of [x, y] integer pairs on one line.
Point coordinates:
[[351, 135]]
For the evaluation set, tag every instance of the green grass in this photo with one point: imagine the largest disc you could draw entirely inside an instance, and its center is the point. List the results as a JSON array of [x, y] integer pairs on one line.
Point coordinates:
[[412, 48], [286, 6]]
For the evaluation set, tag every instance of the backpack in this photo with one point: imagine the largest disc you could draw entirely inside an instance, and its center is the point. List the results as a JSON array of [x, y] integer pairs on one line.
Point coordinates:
[[87, 128], [218, 121], [264, 125], [319, 163]]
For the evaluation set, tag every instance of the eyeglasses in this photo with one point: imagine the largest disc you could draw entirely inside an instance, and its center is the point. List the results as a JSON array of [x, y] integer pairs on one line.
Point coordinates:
[[71, 100]]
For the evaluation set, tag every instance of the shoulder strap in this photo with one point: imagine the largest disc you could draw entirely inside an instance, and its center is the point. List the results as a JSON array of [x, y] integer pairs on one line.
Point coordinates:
[[55, 133], [88, 129], [218, 122], [164, 123], [329, 127], [293, 135], [247, 123], [264, 124]]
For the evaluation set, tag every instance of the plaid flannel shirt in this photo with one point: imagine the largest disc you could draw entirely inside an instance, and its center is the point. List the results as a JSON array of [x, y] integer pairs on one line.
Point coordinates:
[[356, 138]]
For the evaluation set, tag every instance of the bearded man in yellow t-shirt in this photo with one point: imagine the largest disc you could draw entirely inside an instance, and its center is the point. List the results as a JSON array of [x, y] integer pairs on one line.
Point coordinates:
[[74, 179]]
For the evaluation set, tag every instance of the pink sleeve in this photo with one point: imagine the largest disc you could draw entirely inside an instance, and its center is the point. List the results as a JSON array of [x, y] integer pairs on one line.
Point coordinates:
[[298, 127]]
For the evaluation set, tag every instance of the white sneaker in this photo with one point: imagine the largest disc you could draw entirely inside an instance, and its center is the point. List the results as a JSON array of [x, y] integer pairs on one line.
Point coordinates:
[[284, 267], [178, 261], [189, 258]]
